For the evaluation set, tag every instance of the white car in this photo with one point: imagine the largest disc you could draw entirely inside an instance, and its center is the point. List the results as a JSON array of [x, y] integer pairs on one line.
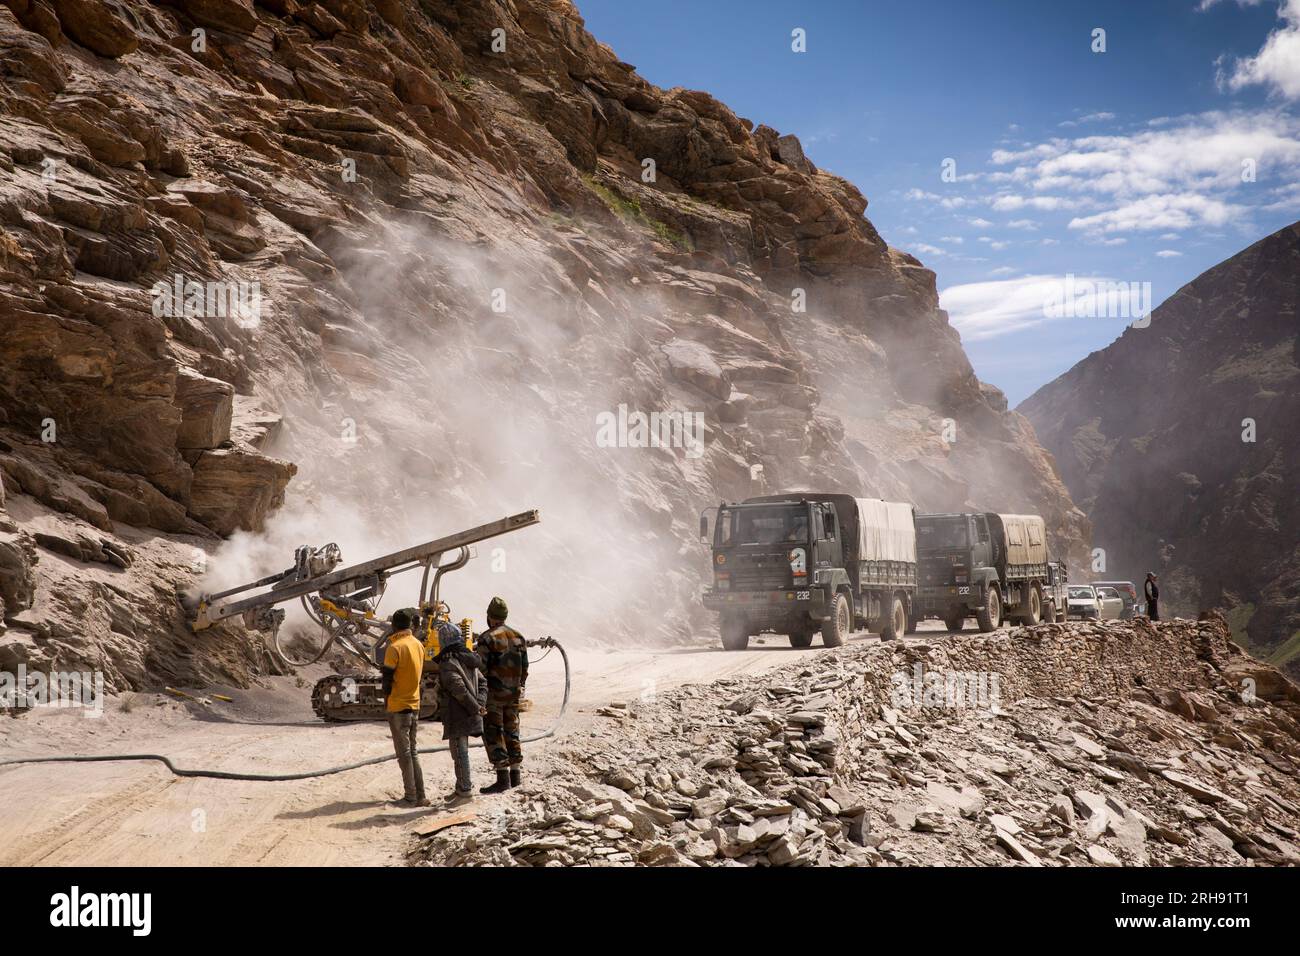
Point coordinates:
[[1083, 603], [1112, 603]]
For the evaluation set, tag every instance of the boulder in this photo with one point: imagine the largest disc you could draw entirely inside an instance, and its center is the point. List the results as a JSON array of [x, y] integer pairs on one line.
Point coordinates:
[[236, 16], [236, 487], [98, 26], [207, 409], [17, 573]]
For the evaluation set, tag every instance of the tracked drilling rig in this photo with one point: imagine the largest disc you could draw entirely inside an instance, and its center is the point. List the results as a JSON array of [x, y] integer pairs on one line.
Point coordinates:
[[344, 602]]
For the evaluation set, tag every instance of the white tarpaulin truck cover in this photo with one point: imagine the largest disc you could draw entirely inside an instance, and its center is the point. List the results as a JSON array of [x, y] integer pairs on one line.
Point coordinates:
[[886, 531], [1026, 539]]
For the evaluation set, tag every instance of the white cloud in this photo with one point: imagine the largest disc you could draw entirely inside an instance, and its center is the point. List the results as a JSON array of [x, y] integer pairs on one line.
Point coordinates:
[[924, 248], [955, 240], [979, 223], [1285, 198], [948, 202], [1168, 211], [1090, 118], [986, 310], [1187, 170], [1168, 253], [1002, 271], [1011, 202], [1002, 157], [1023, 224], [1277, 64]]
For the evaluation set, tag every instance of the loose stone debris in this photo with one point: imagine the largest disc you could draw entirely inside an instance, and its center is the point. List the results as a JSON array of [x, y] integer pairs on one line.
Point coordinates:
[[1111, 744]]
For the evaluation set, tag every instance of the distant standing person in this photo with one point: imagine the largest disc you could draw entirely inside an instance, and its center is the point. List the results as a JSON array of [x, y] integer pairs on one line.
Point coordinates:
[[403, 667], [505, 661], [462, 703], [1152, 591]]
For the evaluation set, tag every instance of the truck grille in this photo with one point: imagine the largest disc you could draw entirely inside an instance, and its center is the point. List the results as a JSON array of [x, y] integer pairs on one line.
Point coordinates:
[[761, 573], [937, 574]]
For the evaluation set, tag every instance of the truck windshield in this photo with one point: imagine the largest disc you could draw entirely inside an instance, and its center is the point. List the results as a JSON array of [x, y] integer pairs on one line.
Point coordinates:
[[767, 526], [941, 534], [1082, 594]]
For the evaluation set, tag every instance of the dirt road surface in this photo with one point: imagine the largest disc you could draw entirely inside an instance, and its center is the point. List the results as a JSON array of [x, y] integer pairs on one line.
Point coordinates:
[[140, 814]]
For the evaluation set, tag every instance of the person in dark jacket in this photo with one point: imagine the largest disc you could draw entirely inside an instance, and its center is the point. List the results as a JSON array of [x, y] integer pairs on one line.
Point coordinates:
[[1152, 591], [504, 656], [462, 703]]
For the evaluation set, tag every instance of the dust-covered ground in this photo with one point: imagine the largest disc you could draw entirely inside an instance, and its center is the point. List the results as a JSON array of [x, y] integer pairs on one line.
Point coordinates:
[[139, 814], [1113, 743]]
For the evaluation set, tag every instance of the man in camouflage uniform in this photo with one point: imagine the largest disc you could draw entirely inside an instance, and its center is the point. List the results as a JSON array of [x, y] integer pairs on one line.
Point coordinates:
[[505, 662]]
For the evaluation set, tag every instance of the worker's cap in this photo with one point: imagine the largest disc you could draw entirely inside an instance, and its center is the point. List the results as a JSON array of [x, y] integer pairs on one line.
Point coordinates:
[[497, 609]]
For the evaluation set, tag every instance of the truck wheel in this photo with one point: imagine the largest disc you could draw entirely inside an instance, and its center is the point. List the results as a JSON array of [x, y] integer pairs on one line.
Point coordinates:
[[836, 627], [1049, 612], [735, 634], [895, 623], [990, 615], [912, 622], [1033, 612], [801, 639]]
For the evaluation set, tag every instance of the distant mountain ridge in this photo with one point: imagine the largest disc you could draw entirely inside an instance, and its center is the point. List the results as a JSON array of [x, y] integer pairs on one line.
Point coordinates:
[[1179, 441]]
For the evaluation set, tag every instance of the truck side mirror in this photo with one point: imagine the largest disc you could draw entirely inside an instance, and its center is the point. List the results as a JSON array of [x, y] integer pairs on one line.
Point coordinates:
[[704, 525]]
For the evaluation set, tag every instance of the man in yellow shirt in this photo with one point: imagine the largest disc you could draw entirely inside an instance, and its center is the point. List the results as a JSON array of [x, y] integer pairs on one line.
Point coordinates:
[[403, 667]]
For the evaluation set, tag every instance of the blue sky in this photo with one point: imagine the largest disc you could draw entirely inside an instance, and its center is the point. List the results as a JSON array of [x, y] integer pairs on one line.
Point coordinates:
[[1125, 165]]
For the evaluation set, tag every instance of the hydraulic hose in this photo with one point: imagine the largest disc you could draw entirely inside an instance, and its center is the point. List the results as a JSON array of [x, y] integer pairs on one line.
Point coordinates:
[[284, 777]]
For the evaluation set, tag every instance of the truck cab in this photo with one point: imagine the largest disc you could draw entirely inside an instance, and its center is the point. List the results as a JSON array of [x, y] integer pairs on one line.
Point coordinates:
[[981, 564], [771, 563], [956, 557], [794, 564]]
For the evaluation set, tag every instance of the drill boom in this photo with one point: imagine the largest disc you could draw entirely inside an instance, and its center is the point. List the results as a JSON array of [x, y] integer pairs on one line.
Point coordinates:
[[213, 609]]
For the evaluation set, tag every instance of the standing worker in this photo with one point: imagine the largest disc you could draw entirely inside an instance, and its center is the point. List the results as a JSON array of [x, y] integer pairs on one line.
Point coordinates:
[[505, 661], [462, 703], [1152, 591], [403, 667]]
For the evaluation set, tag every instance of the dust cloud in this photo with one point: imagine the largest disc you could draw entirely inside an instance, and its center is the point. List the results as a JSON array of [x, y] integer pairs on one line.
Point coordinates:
[[433, 412]]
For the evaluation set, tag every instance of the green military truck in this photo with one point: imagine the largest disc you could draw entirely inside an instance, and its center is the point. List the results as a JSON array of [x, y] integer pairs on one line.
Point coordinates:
[[988, 566], [800, 563]]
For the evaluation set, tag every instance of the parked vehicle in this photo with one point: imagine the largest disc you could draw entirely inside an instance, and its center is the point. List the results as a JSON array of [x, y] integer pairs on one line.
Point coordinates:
[[1083, 603], [1127, 591], [1110, 602], [798, 563], [982, 565], [1112, 605]]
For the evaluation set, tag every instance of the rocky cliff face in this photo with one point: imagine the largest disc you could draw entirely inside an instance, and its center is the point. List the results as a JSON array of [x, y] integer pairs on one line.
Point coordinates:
[[417, 264], [1179, 442]]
